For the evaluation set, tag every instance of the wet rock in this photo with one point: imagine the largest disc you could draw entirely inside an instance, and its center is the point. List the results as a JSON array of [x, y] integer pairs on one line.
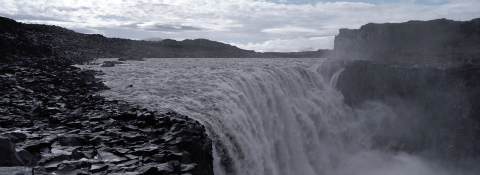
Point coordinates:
[[128, 163], [66, 168], [166, 168], [96, 141], [15, 136], [160, 157], [26, 157], [77, 155], [8, 155], [175, 156], [98, 168], [72, 140], [145, 151], [188, 167], [39, 170], [37, 146], [130, 138], [147, 170]]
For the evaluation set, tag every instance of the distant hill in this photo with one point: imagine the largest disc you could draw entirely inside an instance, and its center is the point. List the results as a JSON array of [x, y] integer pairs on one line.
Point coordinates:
[[320, 53], [45, 41]]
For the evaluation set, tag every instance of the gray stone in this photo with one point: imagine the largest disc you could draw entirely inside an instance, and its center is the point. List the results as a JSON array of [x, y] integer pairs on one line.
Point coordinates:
[[8, 155]]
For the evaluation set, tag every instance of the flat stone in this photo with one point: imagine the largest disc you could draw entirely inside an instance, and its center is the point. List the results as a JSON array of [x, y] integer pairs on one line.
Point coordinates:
[[128, 163], [147, 170], [39, 170], [165, 168], [188, 167], [71, 140], [98, 168]]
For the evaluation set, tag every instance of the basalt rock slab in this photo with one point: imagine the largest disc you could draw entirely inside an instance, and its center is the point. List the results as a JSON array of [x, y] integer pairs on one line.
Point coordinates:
[[8, 155]]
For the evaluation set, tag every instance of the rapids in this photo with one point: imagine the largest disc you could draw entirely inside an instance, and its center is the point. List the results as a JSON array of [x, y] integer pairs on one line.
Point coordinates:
[[268, 116]]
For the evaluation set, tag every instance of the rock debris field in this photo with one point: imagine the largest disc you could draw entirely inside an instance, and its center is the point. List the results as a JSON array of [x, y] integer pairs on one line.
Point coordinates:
[[51, 122]]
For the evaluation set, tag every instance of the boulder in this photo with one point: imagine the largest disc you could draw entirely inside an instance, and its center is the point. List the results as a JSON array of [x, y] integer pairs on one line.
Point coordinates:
[[8, 155], [26, 157], [15, 136]]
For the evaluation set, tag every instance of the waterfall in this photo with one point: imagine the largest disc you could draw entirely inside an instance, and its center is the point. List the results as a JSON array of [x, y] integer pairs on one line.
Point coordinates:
[[275, 116], [333, 81], [281, 121], [291, 121]]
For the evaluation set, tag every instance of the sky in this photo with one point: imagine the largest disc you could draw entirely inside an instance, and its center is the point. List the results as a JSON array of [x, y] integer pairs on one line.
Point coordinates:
[[260, 25]]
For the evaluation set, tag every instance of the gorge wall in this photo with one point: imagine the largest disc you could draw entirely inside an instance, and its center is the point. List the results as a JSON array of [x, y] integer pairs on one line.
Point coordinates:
[[435, 40], [427, 73], [440, 104]]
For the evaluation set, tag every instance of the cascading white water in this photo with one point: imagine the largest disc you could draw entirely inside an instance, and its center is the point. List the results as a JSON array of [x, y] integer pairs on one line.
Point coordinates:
[[267, 116], [281, 121]]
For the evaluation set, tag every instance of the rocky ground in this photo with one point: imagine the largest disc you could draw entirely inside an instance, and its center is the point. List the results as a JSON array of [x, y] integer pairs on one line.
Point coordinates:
[[52, 123]]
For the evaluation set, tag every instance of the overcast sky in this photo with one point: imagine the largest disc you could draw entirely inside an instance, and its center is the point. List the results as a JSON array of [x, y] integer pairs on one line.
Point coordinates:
[[260, 25]]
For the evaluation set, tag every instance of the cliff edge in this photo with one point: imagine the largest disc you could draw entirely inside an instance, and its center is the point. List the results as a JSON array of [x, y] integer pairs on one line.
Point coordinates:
[[435, 40]]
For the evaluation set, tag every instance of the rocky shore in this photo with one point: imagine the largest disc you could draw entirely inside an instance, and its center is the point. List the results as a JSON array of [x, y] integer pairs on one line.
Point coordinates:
[[51, 121]]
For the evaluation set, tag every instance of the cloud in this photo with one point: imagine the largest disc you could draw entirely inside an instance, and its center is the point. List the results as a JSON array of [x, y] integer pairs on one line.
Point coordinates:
[[237, 19], [31, 17], [152, 39], [291, 29], [167, 27], [298, 44]]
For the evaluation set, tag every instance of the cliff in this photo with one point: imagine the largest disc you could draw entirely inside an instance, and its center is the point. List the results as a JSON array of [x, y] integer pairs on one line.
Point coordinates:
[[427, 74], [435, 40], [440, 105]]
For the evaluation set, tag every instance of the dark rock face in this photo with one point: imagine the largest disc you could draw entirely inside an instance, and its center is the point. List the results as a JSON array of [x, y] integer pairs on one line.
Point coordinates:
[[50, 115], [440, 104], [435, 40], [427, 73], [8, 155]]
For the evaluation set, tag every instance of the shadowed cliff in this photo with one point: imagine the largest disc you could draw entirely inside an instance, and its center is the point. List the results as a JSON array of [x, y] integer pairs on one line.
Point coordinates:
[[435, 40], [426, 72]]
